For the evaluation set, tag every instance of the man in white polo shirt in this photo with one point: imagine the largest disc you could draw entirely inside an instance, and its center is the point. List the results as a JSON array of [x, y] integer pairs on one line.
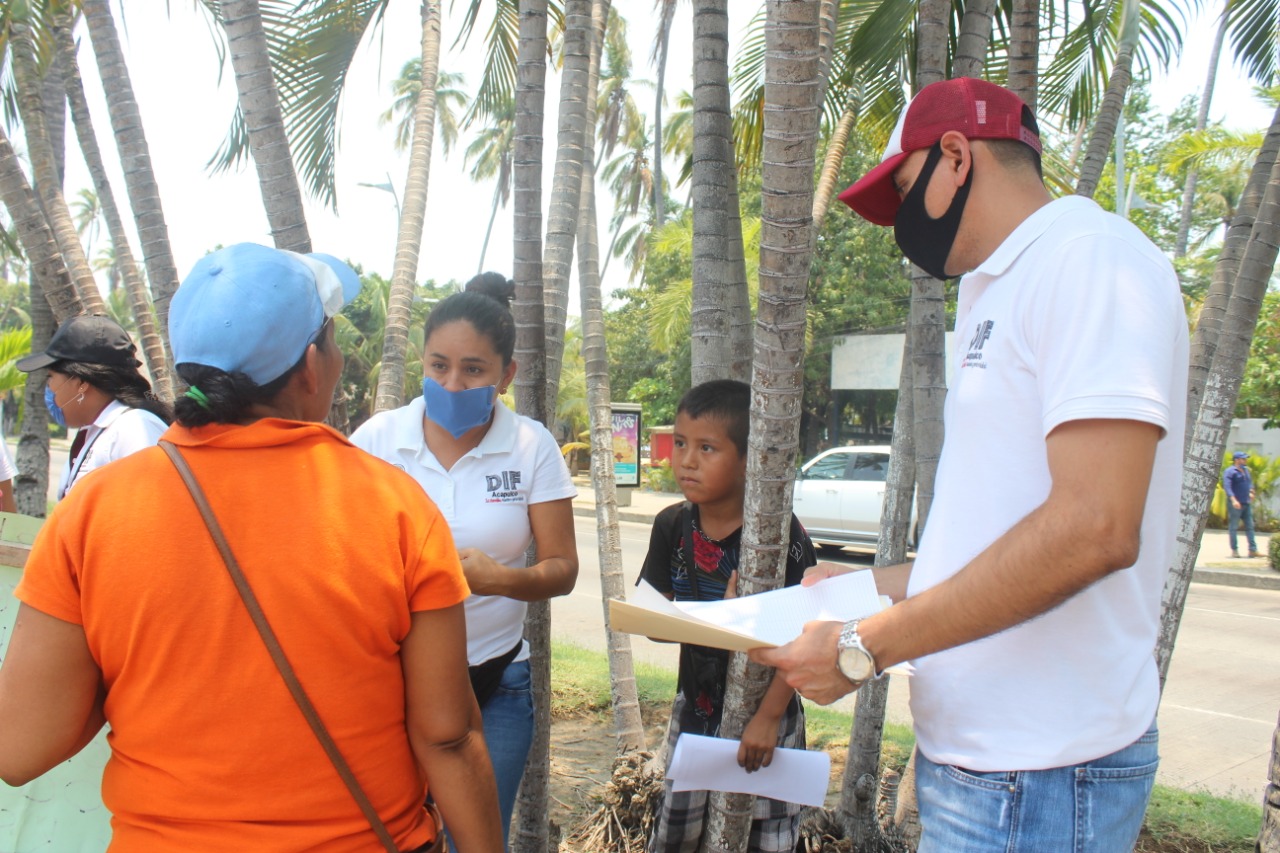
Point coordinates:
[[1032, 607]]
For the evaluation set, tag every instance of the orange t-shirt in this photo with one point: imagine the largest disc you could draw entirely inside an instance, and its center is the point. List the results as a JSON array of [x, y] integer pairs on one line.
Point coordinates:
[[208, 749]]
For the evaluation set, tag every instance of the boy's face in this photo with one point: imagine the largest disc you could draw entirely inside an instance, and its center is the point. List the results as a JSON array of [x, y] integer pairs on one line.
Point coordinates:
[[706, 462]]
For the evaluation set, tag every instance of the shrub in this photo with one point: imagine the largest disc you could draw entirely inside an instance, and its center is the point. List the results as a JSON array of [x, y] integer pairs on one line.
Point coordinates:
[[1273, 552], [660, 478]]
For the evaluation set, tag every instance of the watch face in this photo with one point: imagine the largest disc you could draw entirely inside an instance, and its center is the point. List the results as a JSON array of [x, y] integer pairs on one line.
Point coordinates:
[[855, 664]]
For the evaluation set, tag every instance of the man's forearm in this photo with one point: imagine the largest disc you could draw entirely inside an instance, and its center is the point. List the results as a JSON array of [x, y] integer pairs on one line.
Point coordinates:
[[996, 591]]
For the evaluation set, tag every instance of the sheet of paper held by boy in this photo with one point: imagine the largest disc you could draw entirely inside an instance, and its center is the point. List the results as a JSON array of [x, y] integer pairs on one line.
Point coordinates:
[[749, 622], [703, 763]]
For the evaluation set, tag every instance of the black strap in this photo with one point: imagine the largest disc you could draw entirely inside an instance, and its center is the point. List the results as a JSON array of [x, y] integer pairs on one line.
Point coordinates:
[[690, 567], [277, 653]]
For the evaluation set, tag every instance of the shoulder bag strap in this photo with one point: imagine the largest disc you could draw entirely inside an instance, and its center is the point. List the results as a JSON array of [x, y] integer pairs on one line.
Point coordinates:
[[690, 567], [277, 653]]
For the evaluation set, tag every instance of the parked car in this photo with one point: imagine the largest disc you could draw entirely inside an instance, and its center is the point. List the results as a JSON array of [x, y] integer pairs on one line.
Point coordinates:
[[839, 495]]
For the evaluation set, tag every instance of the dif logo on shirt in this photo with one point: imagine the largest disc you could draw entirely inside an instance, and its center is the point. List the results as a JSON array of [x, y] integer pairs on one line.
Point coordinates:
[[973, 358], [502, 488]]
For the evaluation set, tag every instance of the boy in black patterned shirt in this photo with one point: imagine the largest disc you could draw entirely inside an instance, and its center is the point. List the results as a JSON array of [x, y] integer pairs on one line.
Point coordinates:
[[710, 465]]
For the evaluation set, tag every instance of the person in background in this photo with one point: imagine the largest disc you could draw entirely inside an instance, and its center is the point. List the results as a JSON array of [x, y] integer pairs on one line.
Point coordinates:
[[128, 612], [693, 556], [94, 387], [1237, 482], [501, 483], [8, 471]]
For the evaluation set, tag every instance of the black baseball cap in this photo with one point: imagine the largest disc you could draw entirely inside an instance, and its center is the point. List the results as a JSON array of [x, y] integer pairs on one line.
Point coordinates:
[[88, 339]]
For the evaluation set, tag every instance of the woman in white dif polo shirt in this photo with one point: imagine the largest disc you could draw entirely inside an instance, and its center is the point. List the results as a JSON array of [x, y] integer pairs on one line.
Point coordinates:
[[501, 483], [94, 386]]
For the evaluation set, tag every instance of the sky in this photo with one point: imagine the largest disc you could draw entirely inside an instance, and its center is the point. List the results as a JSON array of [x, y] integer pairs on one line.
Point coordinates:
[[186, 102]]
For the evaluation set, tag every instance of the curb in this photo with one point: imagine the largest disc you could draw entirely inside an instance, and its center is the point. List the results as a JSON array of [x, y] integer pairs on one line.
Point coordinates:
[[1237, 577]]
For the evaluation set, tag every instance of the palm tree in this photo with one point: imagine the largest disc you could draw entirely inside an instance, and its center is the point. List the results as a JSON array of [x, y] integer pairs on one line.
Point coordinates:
[[413, 215], [144, 195], [44, 165], [263, 121], [793, 112], [566, 183], [449, 98], [104, 202], [721, 327], [1024, 50], [1104, 128], [667, 13], [492, 151], [531, 386], [626, 703], [1202, 118]]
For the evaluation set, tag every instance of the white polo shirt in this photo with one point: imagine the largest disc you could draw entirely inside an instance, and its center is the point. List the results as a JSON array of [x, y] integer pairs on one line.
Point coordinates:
[[485, 498], [1076, 315], [117, 431]]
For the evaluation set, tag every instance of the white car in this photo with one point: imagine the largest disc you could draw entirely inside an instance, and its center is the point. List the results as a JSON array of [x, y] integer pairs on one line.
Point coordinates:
[[839, 495]]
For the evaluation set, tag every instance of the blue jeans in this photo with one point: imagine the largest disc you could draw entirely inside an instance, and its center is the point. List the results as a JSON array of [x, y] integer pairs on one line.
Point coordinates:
[[1094, 807], [1234, 517], [508, 731]]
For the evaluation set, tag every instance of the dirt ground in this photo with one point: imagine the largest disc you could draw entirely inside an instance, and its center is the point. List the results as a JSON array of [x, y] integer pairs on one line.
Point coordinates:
[[582, 750]]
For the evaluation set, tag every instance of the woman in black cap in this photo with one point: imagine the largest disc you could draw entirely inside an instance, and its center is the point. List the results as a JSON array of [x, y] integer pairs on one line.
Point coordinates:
[[94, 386]]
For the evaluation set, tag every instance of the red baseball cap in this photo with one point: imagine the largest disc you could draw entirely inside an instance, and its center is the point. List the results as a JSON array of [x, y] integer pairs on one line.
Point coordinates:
[[974, 107]]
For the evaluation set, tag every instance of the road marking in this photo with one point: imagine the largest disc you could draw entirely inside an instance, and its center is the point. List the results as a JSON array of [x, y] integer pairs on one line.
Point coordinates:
[[1268, 723], [1235, 613]]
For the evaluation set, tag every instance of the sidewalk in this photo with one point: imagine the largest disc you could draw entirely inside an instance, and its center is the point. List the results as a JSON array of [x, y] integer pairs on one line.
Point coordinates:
[[1213, 564]]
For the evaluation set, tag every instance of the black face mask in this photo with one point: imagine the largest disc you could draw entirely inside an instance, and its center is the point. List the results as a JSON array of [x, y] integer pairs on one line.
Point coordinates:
[[924, 240]]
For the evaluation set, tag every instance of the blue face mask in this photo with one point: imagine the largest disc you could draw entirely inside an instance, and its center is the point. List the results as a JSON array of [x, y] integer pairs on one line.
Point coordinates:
[[55, 411], [458, 411]]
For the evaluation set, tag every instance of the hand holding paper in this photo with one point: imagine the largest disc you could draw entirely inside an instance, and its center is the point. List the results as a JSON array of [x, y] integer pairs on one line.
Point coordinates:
[[711, 764]]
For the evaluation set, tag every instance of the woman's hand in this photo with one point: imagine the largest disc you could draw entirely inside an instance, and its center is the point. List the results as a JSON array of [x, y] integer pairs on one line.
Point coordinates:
[[759, 738], [485, 575]]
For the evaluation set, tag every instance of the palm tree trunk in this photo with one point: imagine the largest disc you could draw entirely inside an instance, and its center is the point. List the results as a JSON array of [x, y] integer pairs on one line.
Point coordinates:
[[718, 268], [566, 187], [31, 486], [1204, 453], [858, 791], [140, 181], [1202, 118], [628, 725], [837, 145], [404, 274], [127, 267], [792, 114], [488, 231], [660, 94], [531, 831], [1104, 127], [260, 105], [931, 42], [1024, 50], [45, 166], [45, 262], [975, 34], [1269, 837], [1205, 340]]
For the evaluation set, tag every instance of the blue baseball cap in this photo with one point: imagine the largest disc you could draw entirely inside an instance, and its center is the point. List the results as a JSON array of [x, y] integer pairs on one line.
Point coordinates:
[[255, 309], [1239, 454]]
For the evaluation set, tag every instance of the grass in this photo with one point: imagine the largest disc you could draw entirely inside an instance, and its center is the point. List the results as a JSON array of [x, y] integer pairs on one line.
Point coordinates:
[[1177, 821]]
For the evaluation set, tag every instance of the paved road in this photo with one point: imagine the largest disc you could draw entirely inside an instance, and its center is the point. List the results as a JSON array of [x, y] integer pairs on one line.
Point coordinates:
[[1220, 704]]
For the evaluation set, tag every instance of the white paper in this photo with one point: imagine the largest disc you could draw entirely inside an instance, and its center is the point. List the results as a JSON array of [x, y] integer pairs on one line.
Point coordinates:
[[711, 764], [778, 617]]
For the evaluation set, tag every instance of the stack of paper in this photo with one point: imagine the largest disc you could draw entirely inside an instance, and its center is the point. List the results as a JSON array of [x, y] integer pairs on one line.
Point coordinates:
[[750, 622]]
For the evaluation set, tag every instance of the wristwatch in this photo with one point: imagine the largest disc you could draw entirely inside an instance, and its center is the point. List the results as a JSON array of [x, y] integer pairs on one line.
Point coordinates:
[[852, 658]]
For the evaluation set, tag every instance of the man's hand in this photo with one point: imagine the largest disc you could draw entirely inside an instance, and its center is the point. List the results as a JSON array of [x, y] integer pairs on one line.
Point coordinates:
[[808, 663], [1235, 503], [822, 571], [755, 749]]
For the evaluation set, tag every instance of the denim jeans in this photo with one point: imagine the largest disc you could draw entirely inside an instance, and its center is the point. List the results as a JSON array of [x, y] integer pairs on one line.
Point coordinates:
[[508, 731], [1094, 807], [1234, 517]]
